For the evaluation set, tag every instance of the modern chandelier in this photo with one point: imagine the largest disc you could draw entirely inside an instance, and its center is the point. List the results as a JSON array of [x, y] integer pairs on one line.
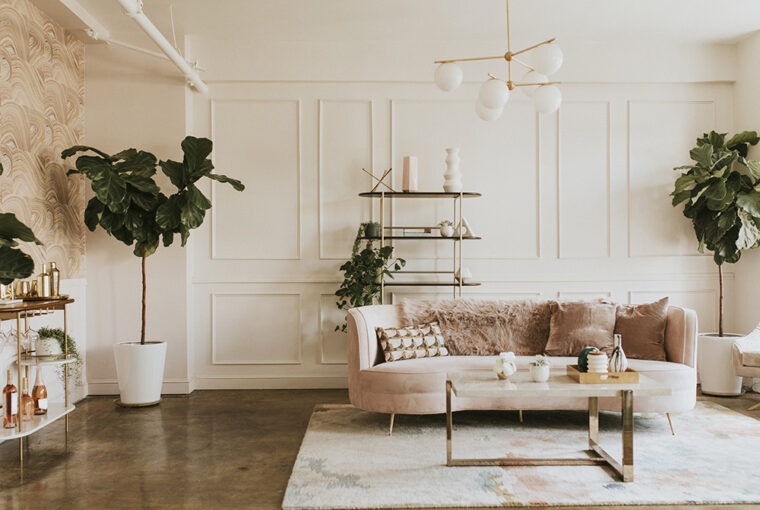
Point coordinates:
[[494, 92]]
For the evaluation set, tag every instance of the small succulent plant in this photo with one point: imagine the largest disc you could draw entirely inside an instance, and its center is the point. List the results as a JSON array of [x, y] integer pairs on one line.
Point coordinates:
[[446, 223], [540, 361]]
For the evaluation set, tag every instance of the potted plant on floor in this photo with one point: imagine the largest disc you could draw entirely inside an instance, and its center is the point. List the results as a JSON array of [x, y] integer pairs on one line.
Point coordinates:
[[721, 191], [14, 263], [363, 273], [129, 206]]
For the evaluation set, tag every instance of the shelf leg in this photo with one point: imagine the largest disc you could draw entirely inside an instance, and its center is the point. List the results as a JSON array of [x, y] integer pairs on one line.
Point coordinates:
[[382, 241], [18, 371], [461, 223]]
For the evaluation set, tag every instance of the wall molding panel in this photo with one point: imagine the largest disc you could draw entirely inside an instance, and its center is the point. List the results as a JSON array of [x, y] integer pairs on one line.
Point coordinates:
[[575, 206]]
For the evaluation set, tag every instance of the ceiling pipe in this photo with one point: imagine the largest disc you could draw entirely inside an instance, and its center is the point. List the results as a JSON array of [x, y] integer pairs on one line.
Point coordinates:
[[133, 9]]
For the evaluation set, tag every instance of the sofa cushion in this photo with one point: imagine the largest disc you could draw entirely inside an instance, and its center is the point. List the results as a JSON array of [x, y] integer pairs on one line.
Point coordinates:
[[422, 341], [485, 327], [579, 324], [643, 329]]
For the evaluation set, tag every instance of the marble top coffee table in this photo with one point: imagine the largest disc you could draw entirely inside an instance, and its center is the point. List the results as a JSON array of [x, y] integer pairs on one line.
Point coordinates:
[[486, 384]]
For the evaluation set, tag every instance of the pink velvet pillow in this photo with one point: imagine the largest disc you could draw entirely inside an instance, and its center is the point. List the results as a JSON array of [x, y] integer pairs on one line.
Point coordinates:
[[643, 329], [579, 324]]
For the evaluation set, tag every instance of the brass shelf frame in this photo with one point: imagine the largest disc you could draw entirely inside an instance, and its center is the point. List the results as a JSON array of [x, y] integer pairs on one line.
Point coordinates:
[[25, 311], [458, 197]]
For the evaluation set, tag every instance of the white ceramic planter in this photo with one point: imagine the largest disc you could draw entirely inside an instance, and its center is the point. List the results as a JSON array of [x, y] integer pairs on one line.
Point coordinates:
[[140, 369], [716, 370], [540, 373]]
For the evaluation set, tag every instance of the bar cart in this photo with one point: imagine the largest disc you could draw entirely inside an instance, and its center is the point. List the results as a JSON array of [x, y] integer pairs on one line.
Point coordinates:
[[24, 360], [458, 198]]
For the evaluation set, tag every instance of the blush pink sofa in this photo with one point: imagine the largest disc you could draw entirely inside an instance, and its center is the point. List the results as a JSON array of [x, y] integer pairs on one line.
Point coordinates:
[[417, 386]]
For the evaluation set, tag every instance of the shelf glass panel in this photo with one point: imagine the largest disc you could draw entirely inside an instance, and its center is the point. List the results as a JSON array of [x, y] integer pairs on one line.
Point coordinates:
[[55, 411], [419, 194]]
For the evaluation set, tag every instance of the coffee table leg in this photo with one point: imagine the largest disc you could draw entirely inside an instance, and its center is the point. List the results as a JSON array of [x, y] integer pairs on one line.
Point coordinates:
[[627, 436], [448, 423], [593, 421]]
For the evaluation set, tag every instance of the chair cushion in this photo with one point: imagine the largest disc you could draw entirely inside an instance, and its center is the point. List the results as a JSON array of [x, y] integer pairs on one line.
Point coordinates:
[[642, 328], [579, 324]]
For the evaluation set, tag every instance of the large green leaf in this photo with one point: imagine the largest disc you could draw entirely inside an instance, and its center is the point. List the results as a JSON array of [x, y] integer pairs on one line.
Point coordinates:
[[82, 148], [198, 199], [134, 160], [110, 188], [239, 186], [92, 213], [740, 142], [749, 202], [11, 228], [168, 215], [14, 264], [702, 155], [754, 167], [749, 234], [196, 151], [176, 173]]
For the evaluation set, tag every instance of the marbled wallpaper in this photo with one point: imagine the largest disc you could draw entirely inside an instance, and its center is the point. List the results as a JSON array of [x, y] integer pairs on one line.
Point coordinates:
[[41, 113]]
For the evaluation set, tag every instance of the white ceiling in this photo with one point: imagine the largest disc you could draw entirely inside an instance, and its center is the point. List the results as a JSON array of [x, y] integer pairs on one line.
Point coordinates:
[[682, 21]]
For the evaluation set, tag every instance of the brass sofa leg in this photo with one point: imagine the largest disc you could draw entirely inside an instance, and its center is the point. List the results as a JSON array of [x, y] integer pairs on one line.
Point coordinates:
[[521, 416], [754, 407], [390, 428], [670, 422]]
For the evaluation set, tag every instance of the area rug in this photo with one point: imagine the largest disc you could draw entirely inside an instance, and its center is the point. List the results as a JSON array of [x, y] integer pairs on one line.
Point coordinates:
[[347, 460]]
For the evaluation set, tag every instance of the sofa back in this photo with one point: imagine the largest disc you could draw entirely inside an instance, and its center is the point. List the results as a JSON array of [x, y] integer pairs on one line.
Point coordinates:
[[363, 351]]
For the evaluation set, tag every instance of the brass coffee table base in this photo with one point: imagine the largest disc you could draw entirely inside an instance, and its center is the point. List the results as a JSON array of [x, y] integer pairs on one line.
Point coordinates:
[[599, 456]]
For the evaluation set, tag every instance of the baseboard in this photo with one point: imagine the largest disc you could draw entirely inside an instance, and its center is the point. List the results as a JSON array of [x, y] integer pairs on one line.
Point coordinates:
[[111, 387], [270, 383]]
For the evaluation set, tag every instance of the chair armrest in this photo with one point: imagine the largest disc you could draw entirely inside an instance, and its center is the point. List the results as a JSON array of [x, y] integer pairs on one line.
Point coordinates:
[[681, 336]]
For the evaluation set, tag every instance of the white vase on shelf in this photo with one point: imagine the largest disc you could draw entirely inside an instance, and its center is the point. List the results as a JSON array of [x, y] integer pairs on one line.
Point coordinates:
[[452, 182]]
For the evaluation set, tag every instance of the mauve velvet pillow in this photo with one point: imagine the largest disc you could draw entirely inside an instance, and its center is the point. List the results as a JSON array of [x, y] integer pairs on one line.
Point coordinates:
[[643, 329], [579, 324]]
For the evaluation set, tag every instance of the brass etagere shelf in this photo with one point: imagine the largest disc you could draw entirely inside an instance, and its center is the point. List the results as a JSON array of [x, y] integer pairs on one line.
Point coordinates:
[[456, 283], [25, 311]]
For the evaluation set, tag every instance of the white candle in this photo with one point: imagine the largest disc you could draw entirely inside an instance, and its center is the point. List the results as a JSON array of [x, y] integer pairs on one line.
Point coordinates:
[[410, 173]]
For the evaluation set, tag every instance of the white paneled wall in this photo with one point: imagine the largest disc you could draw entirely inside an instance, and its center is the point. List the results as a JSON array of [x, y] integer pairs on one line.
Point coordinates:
[[575, 206]]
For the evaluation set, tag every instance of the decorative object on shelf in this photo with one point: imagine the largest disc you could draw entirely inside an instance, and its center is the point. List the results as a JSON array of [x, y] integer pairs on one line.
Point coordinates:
[[452, 182], [618, 361], [598, 362], [50, 336], [124, 188], [468, 227], [506, 365], [627, 377], [410, 174], [464, 273], [447, 228], [723, 202], [583, 358], [461, 228], [10, 402], [417, 232], [540, 368], [380, 180], [55, 279], [14, 263], [364, 272], [495, 92], [26, 410], [372, 229], [43, 285], [39, 393]]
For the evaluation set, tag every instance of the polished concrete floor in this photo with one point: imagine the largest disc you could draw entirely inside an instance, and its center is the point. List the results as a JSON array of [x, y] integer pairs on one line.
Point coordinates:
[[212, 449]]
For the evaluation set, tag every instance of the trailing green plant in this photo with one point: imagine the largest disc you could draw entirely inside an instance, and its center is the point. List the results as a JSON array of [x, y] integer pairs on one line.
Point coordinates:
[[129, 205], [14, 263], [75, 368], [363, 273], [721, 191]]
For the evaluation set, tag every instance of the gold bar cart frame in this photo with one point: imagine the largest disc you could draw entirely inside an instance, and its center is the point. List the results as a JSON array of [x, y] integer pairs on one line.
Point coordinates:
[[599, 457]]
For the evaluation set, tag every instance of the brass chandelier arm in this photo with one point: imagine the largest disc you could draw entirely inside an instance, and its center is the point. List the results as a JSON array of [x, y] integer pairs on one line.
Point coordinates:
[[524, 64], [534, 84], [548, 41], [471, 59]]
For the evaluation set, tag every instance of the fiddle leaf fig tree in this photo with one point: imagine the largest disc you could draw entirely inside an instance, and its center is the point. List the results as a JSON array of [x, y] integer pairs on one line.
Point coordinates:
[[129, 205], [14, 263], [721, 191], [363, 273]]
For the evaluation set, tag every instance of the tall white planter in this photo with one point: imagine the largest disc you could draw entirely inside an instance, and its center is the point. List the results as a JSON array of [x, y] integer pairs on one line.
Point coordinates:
[[140, 369], [452, 182], [715, 366]]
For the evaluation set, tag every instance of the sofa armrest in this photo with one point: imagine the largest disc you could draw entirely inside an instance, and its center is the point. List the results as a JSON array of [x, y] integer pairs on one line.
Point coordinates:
[[681, 336]]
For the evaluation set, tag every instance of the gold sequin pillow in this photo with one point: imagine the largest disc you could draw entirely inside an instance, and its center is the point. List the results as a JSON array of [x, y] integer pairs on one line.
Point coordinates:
[[423, 341]]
